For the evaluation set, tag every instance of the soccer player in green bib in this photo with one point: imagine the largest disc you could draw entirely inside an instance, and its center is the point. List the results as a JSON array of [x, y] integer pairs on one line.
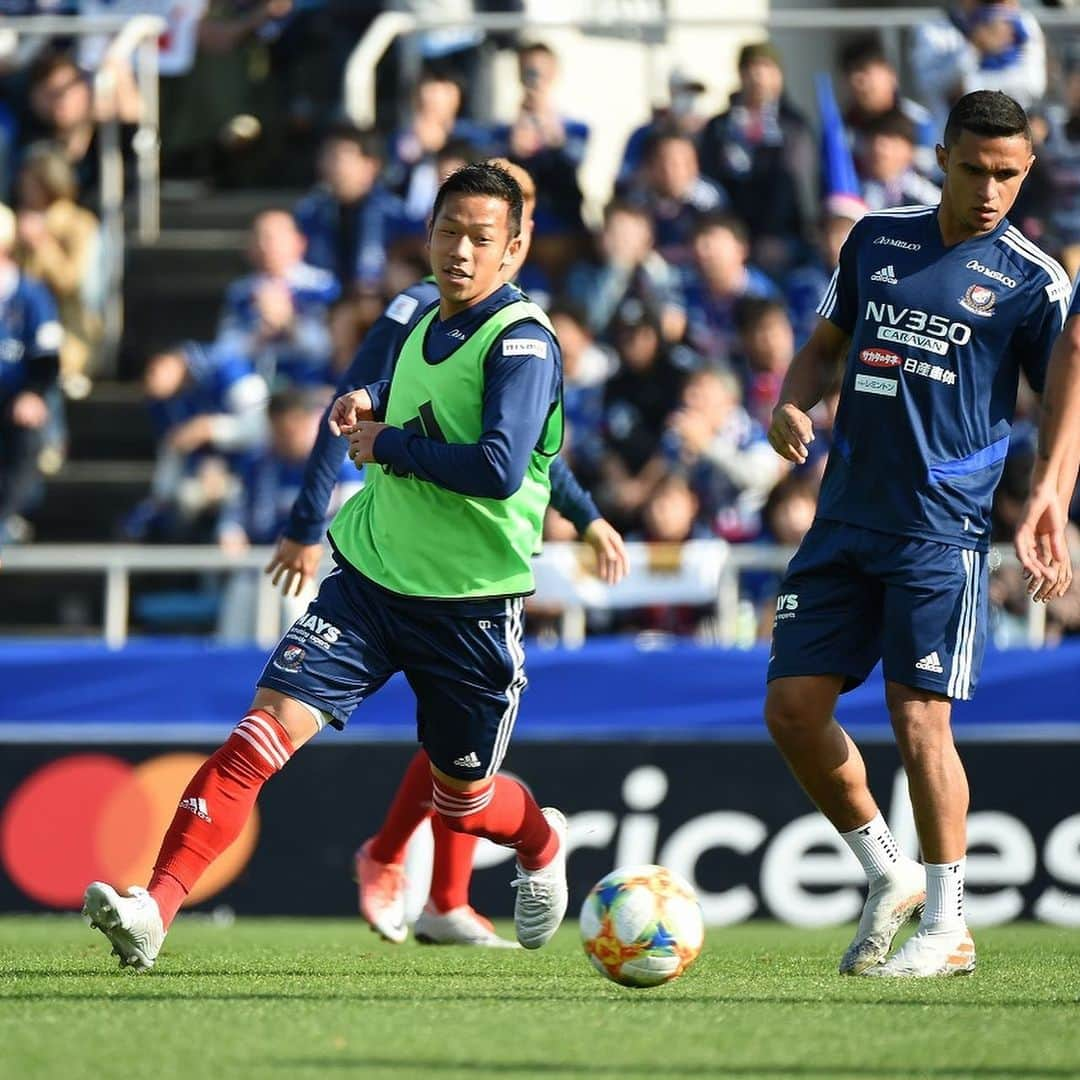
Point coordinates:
[[433, 561]]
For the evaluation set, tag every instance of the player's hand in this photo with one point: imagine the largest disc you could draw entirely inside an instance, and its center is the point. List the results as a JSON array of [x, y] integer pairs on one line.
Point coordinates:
[[29, 410], [294, 565], [362, 441], [612, 561], [350, 410], [1039, 540], [790, 433]]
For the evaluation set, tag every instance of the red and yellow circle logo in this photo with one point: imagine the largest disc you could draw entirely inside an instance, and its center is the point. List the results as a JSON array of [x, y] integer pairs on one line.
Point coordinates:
[[91, 817]]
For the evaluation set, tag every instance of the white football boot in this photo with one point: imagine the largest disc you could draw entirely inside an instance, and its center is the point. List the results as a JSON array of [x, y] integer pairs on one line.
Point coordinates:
[[542, 894], [381, 895], [928, 953], [891, 901], [132, 923], [459, 926]]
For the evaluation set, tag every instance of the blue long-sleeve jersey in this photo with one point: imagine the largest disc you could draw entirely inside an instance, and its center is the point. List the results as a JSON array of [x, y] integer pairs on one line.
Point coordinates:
[[373, 366]]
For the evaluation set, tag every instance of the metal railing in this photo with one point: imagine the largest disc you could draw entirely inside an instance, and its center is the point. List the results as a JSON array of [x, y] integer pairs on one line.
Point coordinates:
[[134, 38], [385, 29], [701, 572]]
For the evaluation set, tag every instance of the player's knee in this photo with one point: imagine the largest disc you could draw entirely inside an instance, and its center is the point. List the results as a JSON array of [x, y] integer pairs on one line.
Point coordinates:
[[786, 715], [300, 720], [920, 730]]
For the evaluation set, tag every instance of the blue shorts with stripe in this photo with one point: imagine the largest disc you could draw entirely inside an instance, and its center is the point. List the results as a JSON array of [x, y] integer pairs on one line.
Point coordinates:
[[852, 596], [464, 660]]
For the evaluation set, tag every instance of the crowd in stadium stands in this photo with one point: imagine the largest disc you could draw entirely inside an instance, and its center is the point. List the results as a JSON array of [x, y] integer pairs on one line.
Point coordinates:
[[678, 315]]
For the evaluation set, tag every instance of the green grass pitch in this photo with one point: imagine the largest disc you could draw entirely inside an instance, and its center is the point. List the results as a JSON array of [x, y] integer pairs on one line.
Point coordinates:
[[299, 999]]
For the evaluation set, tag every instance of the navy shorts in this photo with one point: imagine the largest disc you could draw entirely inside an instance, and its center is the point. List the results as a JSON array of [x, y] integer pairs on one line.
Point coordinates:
[[853, 596], [464, 660]]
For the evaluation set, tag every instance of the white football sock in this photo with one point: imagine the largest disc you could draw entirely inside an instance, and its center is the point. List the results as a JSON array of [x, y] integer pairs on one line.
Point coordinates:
[[944, 896], [875, 847]]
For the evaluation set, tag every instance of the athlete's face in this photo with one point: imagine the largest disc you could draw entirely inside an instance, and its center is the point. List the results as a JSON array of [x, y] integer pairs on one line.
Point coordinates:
[[983, 175], [471, 249]]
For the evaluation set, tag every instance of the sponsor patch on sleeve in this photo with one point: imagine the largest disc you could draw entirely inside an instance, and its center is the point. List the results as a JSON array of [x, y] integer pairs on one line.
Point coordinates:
[[525, 347], [1058, 290], [401, 308]]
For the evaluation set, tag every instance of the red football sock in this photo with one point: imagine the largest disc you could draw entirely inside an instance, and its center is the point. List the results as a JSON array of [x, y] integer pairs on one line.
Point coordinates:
[[410, 806], [503, 812], [451, 866], [215, 805]]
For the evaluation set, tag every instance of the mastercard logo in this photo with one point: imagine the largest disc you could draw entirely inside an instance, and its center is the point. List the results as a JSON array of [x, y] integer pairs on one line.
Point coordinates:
[[91, 817]]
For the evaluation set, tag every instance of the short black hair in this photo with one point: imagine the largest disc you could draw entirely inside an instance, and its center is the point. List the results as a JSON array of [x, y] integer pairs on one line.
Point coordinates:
[[48, 62], [294, 399], [721, 219], [367, 140], [752, 310], [623, 205], [536, 47], [664, 134], [483, 178], [571, 309], [861, 52], [893, 122], [987, 112]]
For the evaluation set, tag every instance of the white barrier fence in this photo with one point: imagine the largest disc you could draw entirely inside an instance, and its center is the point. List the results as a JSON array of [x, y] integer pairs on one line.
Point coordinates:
[[701, 572]]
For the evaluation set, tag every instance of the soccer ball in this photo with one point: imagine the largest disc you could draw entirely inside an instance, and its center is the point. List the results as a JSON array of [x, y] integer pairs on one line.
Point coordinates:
[[642, 926]]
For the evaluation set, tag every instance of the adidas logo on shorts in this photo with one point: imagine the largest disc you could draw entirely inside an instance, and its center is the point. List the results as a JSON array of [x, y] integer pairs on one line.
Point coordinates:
[[930, 662], [469, 761]]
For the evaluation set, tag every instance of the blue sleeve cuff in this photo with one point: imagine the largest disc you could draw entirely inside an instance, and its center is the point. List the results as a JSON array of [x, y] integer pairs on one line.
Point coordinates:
[[378, 392], [305, 532], [389, 447]]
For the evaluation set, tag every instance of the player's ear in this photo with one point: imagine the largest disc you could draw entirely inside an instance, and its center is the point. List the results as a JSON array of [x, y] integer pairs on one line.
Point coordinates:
[[512, 249], [942, 156]]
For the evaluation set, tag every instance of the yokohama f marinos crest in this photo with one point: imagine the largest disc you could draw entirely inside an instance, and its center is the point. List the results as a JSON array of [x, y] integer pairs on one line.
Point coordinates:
[[292, 656], [979, 300]]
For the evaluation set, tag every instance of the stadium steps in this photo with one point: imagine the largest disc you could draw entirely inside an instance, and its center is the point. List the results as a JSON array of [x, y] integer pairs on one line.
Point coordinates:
[[86, 500], [112, 424], [173, 291]]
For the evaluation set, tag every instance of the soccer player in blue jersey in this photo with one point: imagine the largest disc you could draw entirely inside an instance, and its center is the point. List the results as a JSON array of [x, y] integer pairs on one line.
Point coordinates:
[[930, 317], [447, 918]]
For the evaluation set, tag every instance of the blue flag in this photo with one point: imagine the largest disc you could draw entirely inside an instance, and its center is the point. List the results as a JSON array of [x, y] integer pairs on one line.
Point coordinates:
[[838, 176]]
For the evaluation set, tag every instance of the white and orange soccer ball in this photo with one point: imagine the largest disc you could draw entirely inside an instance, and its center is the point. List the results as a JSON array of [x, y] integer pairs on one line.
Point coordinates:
[[642, 926]]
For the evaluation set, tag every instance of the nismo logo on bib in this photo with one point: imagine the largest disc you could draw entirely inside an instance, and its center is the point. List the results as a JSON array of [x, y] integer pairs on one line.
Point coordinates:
[[920, 330]]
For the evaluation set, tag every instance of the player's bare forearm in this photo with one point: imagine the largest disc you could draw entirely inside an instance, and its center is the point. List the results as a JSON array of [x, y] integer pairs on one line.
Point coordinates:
[[1058, 454], [816, 367], [813, 372]]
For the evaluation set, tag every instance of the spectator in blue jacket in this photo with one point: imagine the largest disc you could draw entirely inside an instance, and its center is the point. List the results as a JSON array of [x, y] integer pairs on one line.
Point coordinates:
[[30, 340], [350, 219], [277, 317], [551, 147]]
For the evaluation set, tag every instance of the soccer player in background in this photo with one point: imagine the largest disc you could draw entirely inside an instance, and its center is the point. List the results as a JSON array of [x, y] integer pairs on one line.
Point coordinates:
[[930, 317], [433, 559], [447, 918]]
